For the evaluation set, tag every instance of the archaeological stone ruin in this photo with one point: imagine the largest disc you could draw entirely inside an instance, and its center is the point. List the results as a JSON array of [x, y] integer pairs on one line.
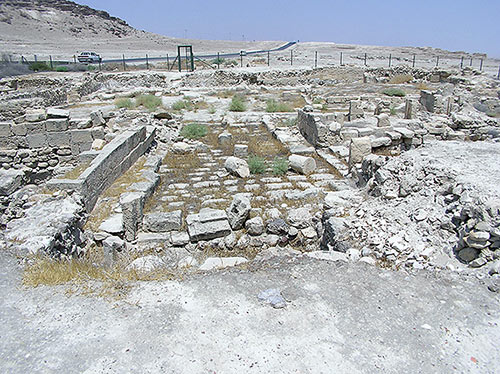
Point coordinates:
[[349, 169]]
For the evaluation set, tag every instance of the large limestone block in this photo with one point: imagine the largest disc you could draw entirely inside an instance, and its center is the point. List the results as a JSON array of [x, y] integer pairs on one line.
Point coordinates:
[[358, 149], [207, 224], [237, 167], [238, 212], [132, 204], [383, 120], [163, 222], [302, 164]]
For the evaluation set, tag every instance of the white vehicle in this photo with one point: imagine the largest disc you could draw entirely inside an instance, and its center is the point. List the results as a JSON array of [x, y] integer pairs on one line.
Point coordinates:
[[89, 57]]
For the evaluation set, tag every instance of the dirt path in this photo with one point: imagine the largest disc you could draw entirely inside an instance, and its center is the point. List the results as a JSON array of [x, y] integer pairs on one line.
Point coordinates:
[[339, 318]]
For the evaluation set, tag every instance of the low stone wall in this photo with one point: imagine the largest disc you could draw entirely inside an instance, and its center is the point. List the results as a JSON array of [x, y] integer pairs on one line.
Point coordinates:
[[111, 162], [37, 143]]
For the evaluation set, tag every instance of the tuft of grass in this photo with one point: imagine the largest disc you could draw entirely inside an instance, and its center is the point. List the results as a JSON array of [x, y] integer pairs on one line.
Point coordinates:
[[87, 276], [39, 66], [237, 104], [62, 69], [212, 109], [392, 111], [394, 92], [401, 78], [182, 104], [256, 164], [280, 166], [421, 86], [277, 106], [289, 122], [124, 102], [194, 131], [150, 102]]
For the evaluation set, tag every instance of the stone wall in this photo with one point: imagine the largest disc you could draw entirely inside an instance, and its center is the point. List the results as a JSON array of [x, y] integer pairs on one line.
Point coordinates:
[[39, 141], [315, 129], [111, 162]]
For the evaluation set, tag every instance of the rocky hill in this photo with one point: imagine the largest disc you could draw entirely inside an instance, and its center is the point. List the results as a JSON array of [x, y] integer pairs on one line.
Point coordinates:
[[62, 28]]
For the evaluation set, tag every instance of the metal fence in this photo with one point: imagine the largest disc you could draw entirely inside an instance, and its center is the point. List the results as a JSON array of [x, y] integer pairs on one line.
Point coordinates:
[[278, 57]]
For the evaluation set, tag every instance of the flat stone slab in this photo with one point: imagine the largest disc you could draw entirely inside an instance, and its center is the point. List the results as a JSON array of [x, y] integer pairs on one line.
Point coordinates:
[[113, 225], [162, 222], [212, 263], [208, 224]]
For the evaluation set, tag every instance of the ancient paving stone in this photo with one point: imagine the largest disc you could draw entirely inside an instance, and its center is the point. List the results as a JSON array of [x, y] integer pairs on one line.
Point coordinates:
[[207, 224], [162, 222]]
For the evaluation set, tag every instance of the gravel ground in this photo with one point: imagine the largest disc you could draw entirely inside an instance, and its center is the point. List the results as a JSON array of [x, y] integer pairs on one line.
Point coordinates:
[[343, 318]]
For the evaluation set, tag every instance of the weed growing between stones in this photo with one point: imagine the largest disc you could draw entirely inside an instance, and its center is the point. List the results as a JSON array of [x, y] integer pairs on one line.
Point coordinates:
[[124, 102], [182, 104], [401, 78], [256, 164], [394, 92], [273, 106], [279, 166], [194, 131], [238, 104], [150, 102]]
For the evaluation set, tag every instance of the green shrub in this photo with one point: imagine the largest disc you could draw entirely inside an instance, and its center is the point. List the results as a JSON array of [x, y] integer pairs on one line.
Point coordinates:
[[238, 104], [182, 104], [275, 106], [62, 69], [150, 102], [392, 111], [218, 61], [394, 92], [211, 109], [39, 66], [194, 131], [124, 102], [256, 164], [280, 166]]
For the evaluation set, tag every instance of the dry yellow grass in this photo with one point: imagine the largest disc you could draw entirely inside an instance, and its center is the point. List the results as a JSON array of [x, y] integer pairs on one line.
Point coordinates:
[[401, 78], [86, 275], [76, 171]]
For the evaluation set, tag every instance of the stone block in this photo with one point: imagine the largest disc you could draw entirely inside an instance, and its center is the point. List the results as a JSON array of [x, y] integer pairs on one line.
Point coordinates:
[[132, 204], [240, 150], [97, 133], [383, 120], [37, 140], [237, 167], [19, 129], [302, 164], [81, 136], [35, 115], [10, 181], [35, 128], [59, 139], [358, 149], [239, 212], [57, 113], [8, 143], [383, 141], [5, 129], [163, 222], [56, 125], [348, 134]]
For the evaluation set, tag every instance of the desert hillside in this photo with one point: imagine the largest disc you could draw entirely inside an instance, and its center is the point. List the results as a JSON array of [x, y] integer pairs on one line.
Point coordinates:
[[61, 28]]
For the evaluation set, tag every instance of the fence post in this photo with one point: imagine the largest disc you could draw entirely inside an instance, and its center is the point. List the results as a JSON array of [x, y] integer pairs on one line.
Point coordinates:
[[481, 65], [471, 61], [74, 59], [291, 58], [365, 59], [341, 62], [390, 59], [147, 61], [100, 60], [462, 62], [414, 56], [498, 75], [218, 60], [123, 59], [241, 59], [437, 61], [315, 59], [51, 65], [35, 58]]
